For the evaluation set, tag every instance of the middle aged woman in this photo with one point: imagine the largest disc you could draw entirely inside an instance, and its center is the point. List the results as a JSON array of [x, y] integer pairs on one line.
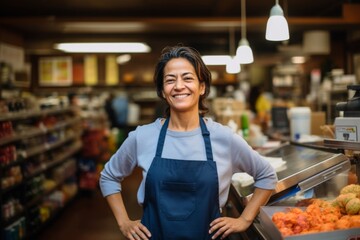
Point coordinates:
[[187, 161]]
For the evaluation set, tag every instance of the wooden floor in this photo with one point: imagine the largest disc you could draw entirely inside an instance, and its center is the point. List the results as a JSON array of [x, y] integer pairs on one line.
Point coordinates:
[[88, 217]]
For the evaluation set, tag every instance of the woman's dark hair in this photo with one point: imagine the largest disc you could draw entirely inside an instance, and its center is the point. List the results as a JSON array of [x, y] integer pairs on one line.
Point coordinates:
[[194, 57]]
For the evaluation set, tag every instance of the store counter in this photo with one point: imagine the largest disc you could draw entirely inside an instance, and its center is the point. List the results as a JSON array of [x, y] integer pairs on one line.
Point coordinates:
[[307, 172]]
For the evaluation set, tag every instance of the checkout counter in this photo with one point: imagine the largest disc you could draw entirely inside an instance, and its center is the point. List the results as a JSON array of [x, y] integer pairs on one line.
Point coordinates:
[[312, 170], [308, 172]]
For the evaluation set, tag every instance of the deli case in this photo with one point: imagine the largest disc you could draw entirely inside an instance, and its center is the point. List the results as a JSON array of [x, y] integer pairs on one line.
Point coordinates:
[[308, 172]]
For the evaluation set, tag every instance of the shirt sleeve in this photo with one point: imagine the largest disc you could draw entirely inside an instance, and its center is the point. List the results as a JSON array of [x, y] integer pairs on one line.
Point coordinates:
[[120, 165], [248, 160]]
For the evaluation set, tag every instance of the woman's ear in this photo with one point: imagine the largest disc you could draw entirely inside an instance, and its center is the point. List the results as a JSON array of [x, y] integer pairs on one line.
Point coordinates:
[[203, 89]]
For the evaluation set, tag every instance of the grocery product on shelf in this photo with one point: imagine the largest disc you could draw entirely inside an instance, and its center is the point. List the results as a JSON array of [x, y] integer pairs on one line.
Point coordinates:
[[37, 166]]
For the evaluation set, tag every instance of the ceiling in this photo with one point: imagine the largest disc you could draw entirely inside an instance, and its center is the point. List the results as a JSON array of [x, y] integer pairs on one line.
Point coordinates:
[[204, 24]]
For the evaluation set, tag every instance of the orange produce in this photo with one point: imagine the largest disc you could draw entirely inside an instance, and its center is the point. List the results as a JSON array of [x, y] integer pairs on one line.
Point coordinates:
[[355, 221], [343, 223], [320, 215]]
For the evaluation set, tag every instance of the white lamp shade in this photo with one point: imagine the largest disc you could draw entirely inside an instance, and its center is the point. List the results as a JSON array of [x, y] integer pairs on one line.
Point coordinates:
[[233, 66], [316, 42], [277, 28], [244, 54]]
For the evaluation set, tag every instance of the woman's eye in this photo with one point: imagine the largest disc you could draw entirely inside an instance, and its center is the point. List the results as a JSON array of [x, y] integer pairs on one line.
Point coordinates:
[[169, 81]]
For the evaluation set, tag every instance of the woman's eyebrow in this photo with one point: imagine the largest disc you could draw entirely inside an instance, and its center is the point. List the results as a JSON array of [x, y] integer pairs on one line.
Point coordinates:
[[186, 73], [169, 75]]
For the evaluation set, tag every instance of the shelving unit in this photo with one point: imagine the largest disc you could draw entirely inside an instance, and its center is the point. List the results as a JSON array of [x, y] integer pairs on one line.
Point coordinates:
[[287, 84], [95, 141], [38, 171], [328, 100]]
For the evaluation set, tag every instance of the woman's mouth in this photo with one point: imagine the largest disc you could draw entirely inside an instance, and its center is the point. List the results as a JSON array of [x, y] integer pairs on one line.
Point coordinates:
[[180, 95]]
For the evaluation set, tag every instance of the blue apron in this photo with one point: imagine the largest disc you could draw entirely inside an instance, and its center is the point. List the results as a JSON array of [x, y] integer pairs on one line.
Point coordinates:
[[181, 196]]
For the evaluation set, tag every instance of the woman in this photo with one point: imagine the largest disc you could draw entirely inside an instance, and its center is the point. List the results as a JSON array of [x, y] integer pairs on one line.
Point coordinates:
[[187, 162]]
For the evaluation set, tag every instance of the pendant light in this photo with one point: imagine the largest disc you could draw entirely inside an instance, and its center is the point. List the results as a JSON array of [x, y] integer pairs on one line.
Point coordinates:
[[233, 66], [244, 53], [277, 28]]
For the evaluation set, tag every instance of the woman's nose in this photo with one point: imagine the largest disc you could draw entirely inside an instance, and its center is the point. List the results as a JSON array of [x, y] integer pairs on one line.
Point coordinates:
[[179, 84]]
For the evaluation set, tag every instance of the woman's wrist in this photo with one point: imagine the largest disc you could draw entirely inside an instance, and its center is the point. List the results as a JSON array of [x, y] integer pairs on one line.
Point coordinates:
[[245, 219]]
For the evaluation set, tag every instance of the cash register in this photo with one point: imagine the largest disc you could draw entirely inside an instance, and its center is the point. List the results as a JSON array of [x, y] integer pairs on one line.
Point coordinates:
[[347, 127]]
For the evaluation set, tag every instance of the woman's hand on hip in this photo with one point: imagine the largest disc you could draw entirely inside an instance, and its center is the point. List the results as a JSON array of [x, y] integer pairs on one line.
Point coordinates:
[[135, 230], [222, 227]]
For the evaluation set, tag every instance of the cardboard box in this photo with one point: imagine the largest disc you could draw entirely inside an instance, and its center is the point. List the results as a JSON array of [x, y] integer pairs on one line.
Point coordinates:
[[317, 120]]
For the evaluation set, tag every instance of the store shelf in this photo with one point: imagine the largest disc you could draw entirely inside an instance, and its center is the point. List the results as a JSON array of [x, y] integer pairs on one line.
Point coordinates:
[[30, 235], [28, 133], [12, 219], [17, 162], [34, 113], [48, 148], [57, 160], [11, 188], [38, 199]]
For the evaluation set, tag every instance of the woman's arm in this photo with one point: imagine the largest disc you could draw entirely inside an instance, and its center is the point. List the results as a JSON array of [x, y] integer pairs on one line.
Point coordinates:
[[259, 198], [117, 207], [130, 229], [224, 226]]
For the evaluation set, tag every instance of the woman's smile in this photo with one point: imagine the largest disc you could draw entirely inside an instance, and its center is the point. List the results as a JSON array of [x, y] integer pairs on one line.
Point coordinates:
[[182, 87], [181, 96]]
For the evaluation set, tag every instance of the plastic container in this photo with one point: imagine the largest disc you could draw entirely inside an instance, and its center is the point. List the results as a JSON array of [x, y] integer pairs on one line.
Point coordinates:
[[300, 122], [245, 126]]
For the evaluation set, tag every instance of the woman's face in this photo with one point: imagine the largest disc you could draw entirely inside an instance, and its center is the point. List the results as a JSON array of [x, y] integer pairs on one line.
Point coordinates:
[[182, 87]]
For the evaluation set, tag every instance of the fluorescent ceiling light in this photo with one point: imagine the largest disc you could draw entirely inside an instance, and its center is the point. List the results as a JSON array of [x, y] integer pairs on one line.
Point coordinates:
[[103, 47], [103, 27], [216, 59], [122, 59], [233, 66]]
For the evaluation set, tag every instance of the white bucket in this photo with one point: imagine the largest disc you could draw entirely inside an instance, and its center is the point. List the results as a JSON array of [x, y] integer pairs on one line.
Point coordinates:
[[133, 113], [300, 122]]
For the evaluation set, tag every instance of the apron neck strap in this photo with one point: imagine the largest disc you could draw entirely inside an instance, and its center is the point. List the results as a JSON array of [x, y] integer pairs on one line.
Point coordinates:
[[206, 136], [205, 132], [161, 139]]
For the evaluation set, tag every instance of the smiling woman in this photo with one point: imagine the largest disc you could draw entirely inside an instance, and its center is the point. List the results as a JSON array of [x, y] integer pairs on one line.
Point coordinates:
[[182, 175], [182, 88], [183, 72]]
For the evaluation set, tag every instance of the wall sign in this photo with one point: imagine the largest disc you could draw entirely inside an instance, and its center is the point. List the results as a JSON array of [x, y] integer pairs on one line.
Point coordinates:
[[55, 71]]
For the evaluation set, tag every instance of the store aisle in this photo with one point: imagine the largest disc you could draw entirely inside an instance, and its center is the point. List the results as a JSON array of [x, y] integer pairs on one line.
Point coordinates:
[[89, 218]]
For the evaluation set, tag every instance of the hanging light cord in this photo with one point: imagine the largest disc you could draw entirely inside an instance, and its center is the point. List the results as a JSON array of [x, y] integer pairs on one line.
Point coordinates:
[[231, 41], [285, 8], [243, 19]]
